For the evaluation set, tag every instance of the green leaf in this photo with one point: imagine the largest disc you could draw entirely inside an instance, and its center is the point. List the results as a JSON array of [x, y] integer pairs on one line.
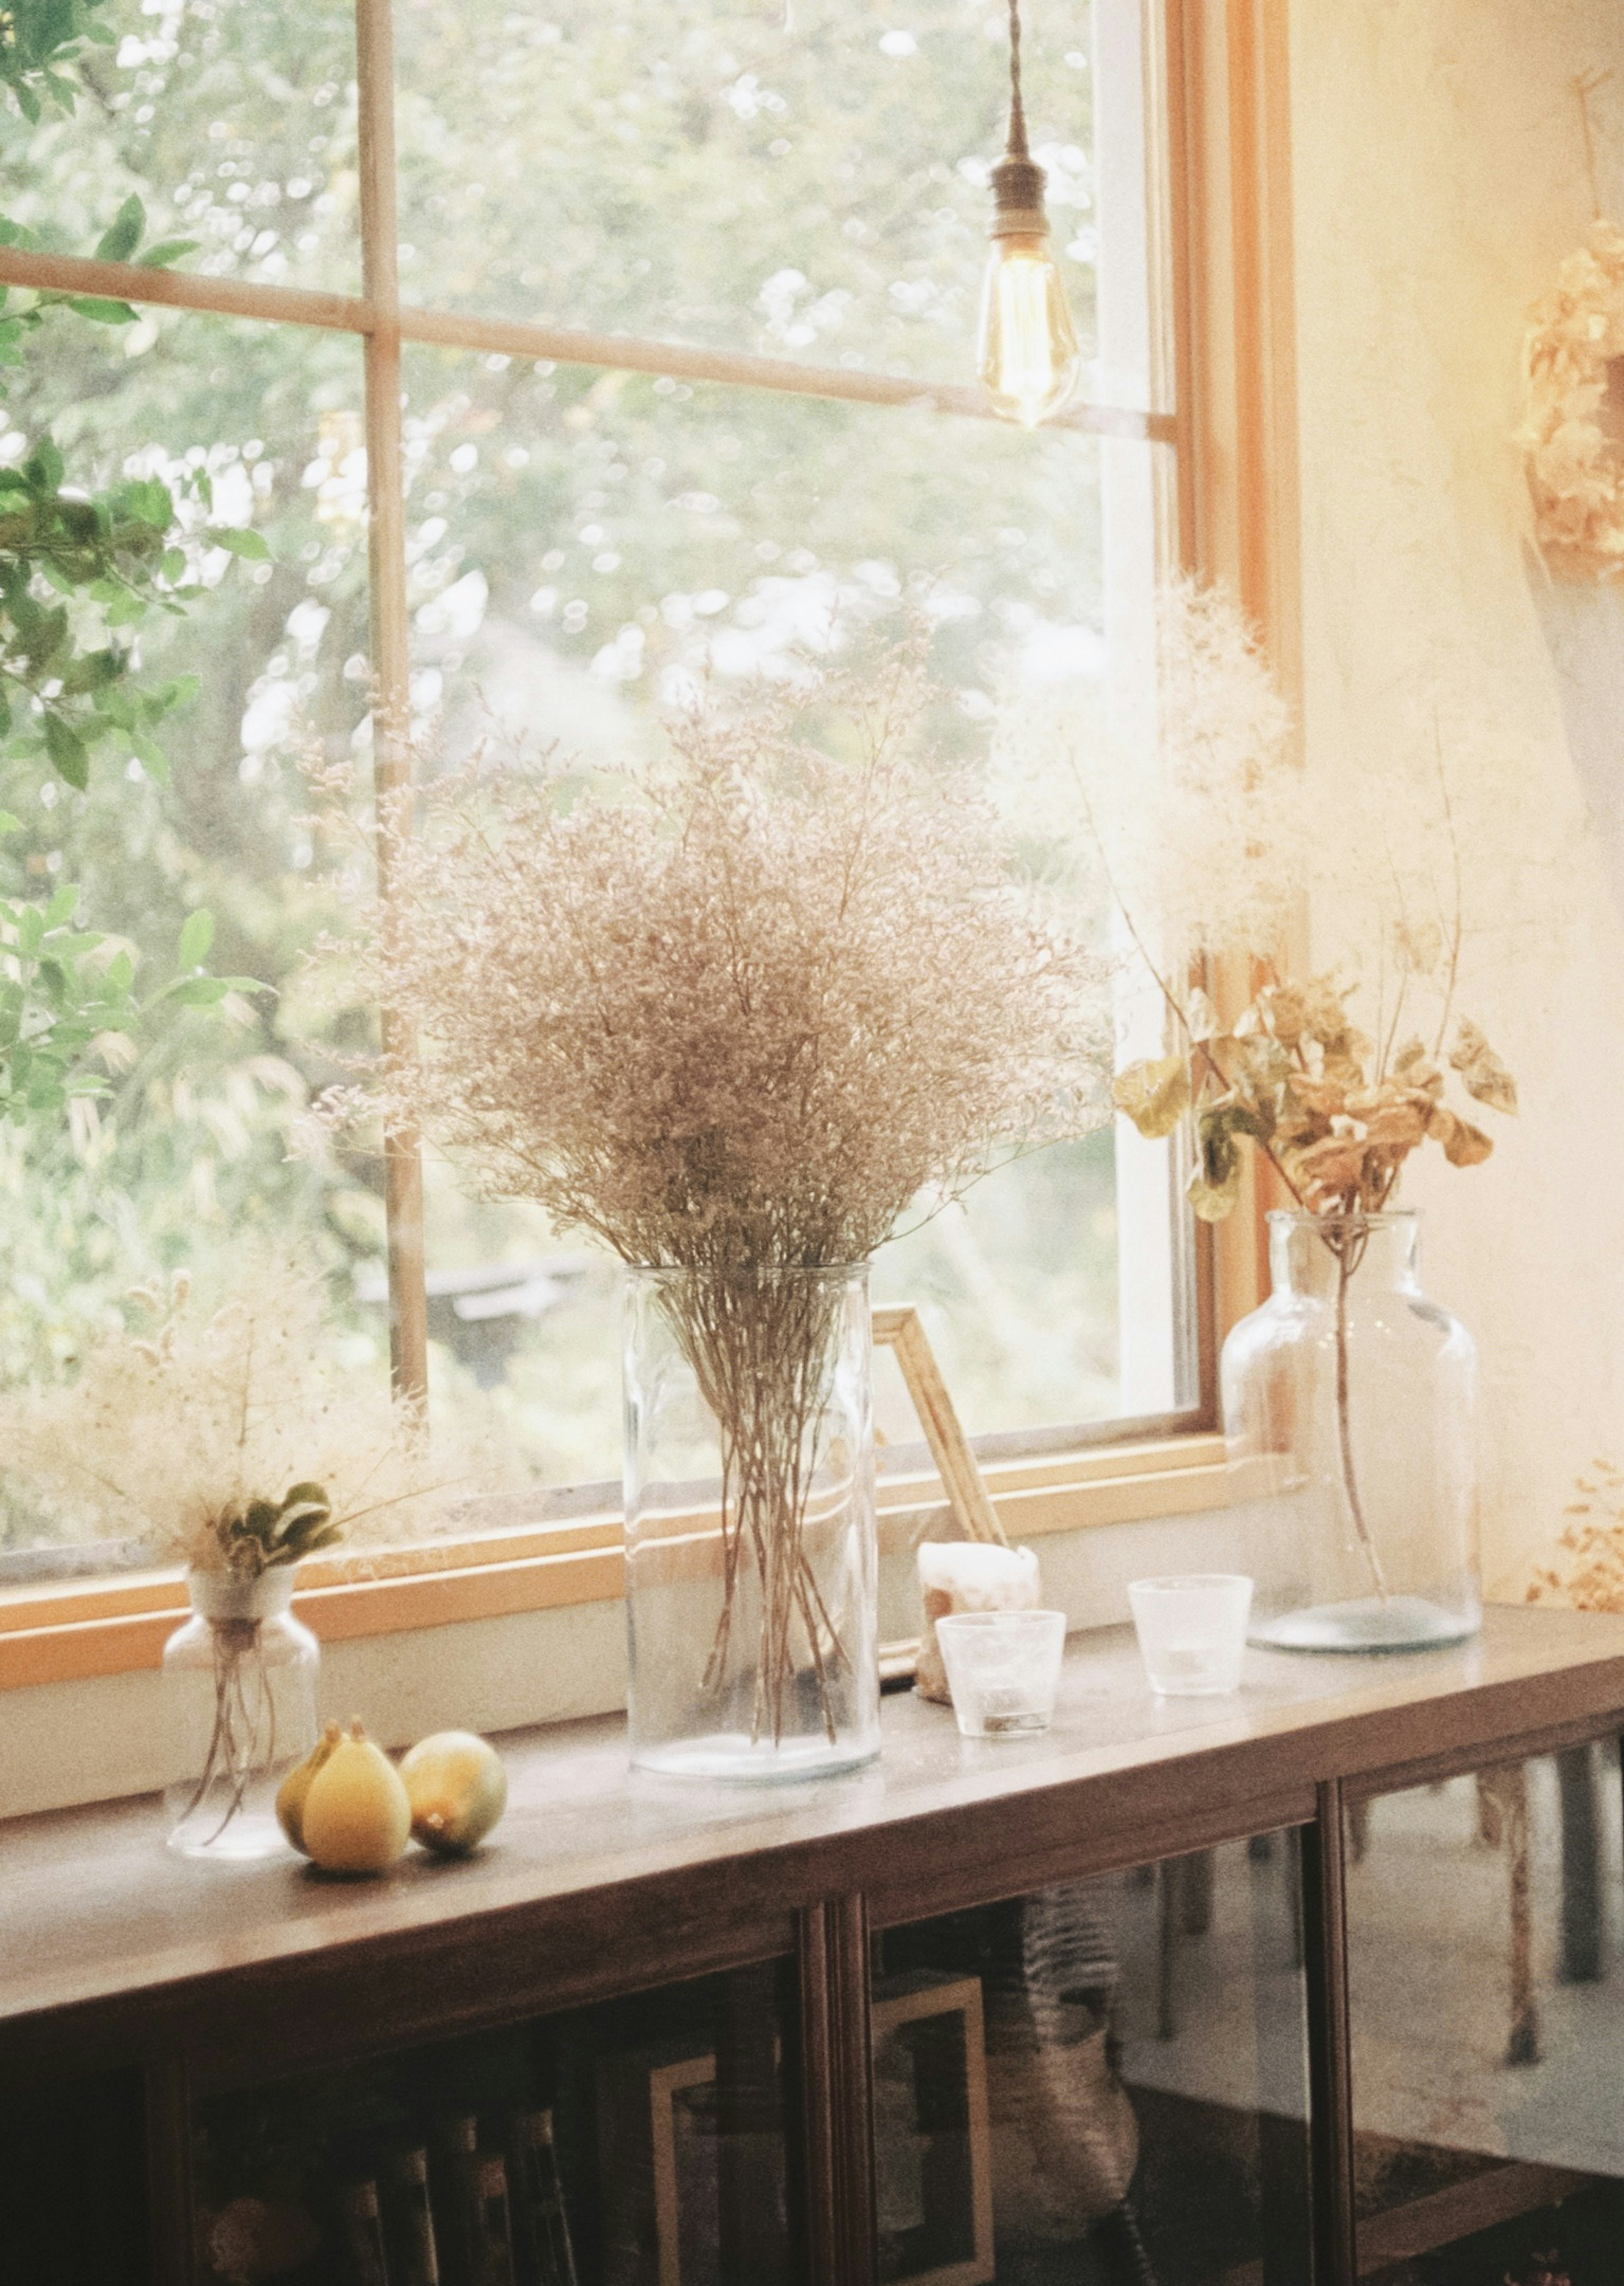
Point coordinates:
[[129, 228], [196, 937], [196, 991], [167, 250], [248, 543], [100, 312], [44, 468], [70, 755], [152, 757], [60, 912]]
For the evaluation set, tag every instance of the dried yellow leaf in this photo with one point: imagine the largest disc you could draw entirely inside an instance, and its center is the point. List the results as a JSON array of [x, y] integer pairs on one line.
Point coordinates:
[[1464, 1145], [1413, 1068], [1200, 1016], [1212, 1202], [1482, 1074], [1153, 1094]]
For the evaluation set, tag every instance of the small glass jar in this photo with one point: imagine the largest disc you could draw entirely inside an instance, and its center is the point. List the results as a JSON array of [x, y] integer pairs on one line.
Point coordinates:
[[1348, 1413], [240, 1707], [751, 1568]]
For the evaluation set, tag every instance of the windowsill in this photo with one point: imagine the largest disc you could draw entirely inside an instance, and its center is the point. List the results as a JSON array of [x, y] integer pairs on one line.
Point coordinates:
[[67, 1632]]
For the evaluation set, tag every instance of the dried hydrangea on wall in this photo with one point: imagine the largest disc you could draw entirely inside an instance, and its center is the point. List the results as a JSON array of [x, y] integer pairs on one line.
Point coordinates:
[[1570, 433]]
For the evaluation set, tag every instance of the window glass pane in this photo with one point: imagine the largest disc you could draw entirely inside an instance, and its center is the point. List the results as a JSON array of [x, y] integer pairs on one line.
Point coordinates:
[[234, 124], [807, 180], [638, 2141], [1486, 1918], [1104, 2080], [581, 544], [193, 1154]]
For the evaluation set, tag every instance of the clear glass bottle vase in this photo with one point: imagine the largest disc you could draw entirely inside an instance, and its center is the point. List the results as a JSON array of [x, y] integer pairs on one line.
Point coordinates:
[[752, 1572], [240, 1708], [1348, 1413]]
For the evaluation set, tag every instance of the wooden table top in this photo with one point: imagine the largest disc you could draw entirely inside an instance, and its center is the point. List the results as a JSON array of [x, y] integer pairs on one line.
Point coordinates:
[[98, 1922]]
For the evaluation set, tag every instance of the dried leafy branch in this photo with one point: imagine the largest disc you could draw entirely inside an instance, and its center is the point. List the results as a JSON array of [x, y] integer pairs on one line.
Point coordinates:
[[1295, 1077], [1336, 1110]]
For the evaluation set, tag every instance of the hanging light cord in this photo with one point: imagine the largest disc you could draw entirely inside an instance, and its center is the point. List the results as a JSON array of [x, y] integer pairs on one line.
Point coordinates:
[[1016, 145]]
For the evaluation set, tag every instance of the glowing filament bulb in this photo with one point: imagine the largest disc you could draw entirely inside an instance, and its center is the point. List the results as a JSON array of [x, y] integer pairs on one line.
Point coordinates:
[[1029, 358]]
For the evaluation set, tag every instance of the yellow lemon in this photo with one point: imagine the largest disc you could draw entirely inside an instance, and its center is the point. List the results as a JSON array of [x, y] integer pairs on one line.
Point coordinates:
[[457, 1788], [356, 1818], [290, 1795]]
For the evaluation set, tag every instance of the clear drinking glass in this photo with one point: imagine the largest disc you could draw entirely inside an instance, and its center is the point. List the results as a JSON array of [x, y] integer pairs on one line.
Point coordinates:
[[1004, 1669], [1192, 1631], [240, 1707], [1348, 1410], [751, 1566]]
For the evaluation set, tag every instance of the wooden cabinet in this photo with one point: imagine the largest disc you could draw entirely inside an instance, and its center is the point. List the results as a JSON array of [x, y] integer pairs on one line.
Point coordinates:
[[1321, 1983]]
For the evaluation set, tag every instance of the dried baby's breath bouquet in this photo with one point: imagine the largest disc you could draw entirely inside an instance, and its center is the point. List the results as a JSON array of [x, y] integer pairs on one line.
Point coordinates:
[[735, 1016], [225, 1442]]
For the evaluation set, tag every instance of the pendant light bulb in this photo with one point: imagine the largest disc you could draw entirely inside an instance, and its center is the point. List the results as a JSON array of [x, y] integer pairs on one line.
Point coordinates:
[[1028, 357]]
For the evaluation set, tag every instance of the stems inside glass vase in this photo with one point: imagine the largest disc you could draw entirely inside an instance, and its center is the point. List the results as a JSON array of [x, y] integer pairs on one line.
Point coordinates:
[[240, 1693], [759, 1344], [1347, 1244]]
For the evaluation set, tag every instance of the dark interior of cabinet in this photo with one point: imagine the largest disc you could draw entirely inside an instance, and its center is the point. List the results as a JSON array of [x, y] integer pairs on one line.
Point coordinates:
[[667, 2111], [73, 2184]]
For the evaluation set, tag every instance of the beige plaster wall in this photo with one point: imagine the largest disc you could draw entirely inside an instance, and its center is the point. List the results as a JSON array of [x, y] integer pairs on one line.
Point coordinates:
[[1438, 180]]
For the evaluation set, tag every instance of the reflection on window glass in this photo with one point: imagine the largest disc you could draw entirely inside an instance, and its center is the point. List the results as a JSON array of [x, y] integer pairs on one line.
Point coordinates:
[[806, 181], [583, 546], [1486, 1926], [192, 1151], [232, 122], [1102, 2084]]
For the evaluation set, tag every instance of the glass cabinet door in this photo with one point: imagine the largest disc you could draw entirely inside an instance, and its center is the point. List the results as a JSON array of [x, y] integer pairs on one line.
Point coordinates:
[[1486, 1998], [640, 2142], [1102, 2083]]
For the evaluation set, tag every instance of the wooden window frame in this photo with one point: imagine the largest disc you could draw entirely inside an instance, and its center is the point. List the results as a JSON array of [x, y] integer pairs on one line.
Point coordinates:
[[1217, 111]]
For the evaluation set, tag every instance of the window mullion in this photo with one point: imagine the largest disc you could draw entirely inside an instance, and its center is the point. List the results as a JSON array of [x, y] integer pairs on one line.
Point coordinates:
[[391, 661]]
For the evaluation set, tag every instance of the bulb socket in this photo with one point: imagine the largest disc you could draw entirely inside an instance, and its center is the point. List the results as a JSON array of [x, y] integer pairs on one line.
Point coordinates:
[[1018, 199]]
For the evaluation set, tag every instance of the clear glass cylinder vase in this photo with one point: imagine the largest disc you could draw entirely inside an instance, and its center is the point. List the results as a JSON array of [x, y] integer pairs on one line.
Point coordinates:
[[1348, 1414], [240, 1709], [752, 1573]]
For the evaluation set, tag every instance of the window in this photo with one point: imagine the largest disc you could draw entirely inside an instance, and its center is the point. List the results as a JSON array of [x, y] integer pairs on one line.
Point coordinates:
[[555, 351]]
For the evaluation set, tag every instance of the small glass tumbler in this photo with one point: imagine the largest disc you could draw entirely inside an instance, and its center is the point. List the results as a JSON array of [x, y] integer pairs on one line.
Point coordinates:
[[1192, 1631], [1004, 1669]]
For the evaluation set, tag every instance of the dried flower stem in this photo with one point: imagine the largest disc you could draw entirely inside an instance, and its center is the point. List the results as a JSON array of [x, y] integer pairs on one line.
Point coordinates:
[[1349, 1253], [234, 1753]]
